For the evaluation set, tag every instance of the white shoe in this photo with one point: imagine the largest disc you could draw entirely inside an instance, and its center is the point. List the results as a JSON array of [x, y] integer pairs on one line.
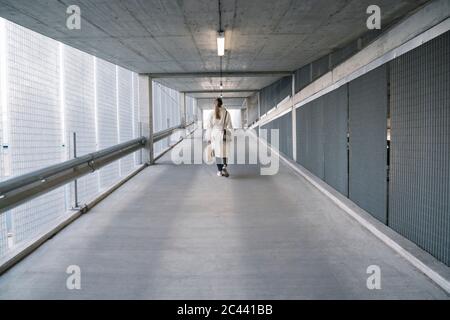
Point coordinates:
[[219, 173]]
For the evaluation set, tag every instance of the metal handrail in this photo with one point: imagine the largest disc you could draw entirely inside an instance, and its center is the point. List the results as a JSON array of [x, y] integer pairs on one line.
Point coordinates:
[[25, 187], [167, 132], [18, 190], [42, 174]]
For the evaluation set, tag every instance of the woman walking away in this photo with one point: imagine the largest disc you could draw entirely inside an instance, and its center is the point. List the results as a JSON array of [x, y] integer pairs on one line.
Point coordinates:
[[218, 134]]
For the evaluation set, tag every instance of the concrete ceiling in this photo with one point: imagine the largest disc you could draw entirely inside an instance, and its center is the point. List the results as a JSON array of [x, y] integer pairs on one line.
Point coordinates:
[[229, 103], [179, 36], [209, 83]]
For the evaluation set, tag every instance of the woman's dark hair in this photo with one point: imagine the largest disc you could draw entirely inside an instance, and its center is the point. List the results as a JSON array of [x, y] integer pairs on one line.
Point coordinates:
[[217, 107]]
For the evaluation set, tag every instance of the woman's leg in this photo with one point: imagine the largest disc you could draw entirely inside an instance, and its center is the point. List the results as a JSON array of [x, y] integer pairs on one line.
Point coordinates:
[[219, 164], [224, 168]]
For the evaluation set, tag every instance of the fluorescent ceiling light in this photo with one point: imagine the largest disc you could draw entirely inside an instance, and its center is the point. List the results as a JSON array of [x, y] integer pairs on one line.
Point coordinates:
[[221, 44]]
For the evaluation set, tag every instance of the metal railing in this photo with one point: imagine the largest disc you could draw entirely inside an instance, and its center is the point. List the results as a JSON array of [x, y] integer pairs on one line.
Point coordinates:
[[157, 136], [18, 190], [168, 132], [24, 188]]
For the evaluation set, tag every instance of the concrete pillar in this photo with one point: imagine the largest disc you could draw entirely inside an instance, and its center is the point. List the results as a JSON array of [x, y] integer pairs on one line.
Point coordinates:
[[247, 124], [259, 110], [146, 116], [183, 108]]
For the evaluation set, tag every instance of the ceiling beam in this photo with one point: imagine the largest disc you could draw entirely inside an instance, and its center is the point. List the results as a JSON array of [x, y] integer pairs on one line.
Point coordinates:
[[234, 74], [221, 91], [224, 98]]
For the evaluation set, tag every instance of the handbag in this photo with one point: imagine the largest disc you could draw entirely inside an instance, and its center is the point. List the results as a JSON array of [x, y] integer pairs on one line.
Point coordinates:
[[209, 154], [226, 132]]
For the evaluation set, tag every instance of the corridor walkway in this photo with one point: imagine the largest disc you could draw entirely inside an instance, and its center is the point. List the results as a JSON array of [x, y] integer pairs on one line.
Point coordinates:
[[181, 232]]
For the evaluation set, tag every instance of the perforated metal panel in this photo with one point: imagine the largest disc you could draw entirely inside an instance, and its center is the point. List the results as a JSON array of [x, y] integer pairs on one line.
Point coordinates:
[[419, 188], [125, 114], [47, 92], [166, 112], [368, 142], [320, 67], [107, 117], [79, 113], [284, 125], [335, 139], [343, 54], [136, 117], [3, 97], [3, 121], [302, 77], [266, 127], [3, 235], [264, 100], [35, 131], [273, 94], [191, 106], [252, 108], [310, 137], [303, 132]]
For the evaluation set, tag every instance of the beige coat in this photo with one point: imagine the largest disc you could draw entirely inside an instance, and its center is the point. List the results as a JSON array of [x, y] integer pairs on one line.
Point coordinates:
[[214, 133]]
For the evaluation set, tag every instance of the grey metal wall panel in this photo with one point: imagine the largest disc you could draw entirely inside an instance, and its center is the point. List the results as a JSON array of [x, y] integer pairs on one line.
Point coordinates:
[[273, 94], [419, 187], [285, 88], [310, 137], [264, 100], [252, 107], [320, 67], [322, 138], [302, 77], [316, 160], [335, 139], [284, 125], [342, 54], [303, 132], [368, 146]]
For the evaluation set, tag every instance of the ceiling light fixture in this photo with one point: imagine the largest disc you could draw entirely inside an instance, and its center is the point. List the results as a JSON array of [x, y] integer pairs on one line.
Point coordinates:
[[220, 43], [220, 34]]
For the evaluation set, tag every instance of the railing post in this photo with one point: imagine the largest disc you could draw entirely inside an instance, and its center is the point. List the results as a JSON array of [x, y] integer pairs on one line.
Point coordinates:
[[75, 182], [183, 108], [259, 111], [146, 116]]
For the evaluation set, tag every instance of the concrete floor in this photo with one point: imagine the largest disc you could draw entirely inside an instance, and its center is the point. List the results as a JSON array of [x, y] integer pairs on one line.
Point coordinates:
[[181, 232]]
